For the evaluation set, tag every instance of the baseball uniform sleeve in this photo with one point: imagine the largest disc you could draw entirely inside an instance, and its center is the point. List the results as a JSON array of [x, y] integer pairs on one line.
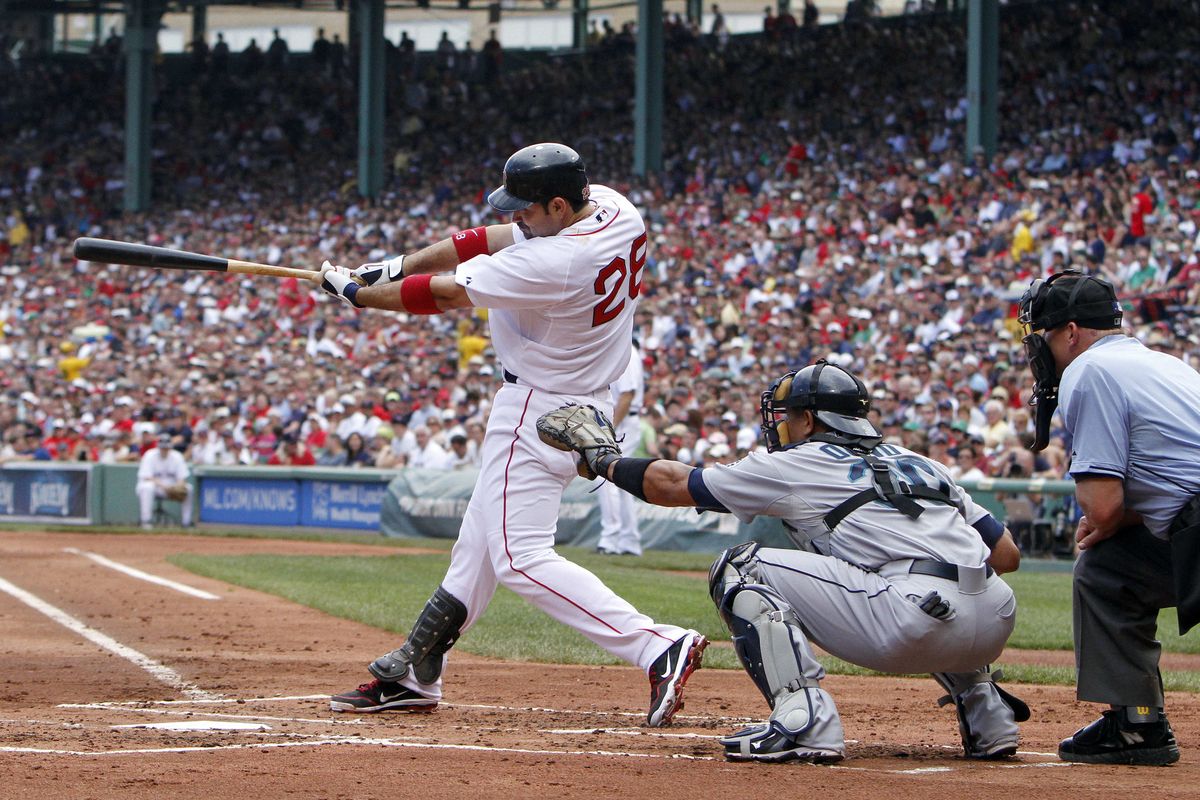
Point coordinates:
[[1097, 414], [528, 274], [751, 487]]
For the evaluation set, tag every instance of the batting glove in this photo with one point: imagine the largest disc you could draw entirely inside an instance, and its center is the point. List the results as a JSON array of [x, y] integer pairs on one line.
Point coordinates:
[[381, 272], [338, 282]]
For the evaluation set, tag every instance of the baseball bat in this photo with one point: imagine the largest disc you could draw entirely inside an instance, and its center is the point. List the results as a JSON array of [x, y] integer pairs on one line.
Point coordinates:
[[144, 255]]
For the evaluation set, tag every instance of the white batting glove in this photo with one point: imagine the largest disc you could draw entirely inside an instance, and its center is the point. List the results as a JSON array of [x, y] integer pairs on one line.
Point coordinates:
[[338, 282], [381, 272]]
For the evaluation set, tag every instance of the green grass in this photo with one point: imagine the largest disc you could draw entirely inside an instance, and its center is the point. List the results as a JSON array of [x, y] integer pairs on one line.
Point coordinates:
[[389, 590]]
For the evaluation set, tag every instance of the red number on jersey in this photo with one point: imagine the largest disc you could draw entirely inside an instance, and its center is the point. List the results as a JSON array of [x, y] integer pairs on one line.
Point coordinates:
[[608, 308]]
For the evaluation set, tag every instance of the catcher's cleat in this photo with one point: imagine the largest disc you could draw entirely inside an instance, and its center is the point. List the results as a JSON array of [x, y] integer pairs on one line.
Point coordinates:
[[381, 696], [1113, 739], [669, 673], [770, 742]]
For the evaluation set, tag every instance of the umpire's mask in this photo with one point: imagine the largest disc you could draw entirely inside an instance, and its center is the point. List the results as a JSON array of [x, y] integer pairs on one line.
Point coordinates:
[[1068, 296]]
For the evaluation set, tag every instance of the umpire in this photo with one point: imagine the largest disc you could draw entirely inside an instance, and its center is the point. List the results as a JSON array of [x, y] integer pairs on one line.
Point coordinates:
[[1133, 419]]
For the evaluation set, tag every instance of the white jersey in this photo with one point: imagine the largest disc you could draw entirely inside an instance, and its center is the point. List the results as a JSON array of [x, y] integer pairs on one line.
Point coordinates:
[[563, 306], [631, 380], [803, 484]]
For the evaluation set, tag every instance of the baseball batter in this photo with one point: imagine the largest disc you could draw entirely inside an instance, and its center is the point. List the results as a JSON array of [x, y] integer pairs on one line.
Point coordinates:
[[563, 282], [619, 532], [894, 567]]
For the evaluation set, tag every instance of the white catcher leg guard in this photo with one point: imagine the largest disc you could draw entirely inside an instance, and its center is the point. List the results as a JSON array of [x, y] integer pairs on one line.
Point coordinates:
[[987, 715], [771, 645]]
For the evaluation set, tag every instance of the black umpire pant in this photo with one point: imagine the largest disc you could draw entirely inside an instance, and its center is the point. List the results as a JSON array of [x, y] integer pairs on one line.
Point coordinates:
[[1120, 586]]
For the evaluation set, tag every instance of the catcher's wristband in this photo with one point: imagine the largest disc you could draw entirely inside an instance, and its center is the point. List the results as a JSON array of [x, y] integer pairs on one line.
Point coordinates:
[[629, 474]]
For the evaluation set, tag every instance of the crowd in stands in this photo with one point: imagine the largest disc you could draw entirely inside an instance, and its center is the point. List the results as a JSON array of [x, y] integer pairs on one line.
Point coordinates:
[[817, 201]]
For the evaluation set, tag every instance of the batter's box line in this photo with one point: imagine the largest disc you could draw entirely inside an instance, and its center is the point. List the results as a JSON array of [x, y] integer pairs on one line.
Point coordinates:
[[356, 741], [719, 720], [188, 713]]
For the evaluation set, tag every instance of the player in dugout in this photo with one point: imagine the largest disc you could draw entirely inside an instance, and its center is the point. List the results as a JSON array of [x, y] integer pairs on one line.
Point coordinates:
[[894, 567]]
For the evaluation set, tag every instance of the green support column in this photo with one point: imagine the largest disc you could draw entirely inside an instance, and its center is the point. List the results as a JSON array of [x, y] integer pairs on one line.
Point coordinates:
[[579, 24], [199, 21], [695, 11], [648, 114], [141, 30], [983, 59], [369, 15]]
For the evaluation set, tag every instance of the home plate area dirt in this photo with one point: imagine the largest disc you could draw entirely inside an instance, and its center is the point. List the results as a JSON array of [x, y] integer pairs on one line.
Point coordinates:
[[112, 686]]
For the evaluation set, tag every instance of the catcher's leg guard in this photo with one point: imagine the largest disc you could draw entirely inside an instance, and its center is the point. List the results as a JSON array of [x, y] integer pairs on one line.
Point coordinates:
[[435, 631], [771, 645], [987, 715]]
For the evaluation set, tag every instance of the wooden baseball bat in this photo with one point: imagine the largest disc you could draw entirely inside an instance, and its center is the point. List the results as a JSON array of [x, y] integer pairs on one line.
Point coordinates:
[[144, 255]]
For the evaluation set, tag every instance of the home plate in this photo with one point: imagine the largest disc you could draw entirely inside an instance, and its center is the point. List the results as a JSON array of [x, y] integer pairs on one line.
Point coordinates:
[[201, 725]]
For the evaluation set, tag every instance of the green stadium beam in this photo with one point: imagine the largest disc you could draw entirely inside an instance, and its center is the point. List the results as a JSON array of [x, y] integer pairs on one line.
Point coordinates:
[[199, 21], [648, 112], [370, 97], [983, 57], [141, 36], [695, 11], [579, 24]]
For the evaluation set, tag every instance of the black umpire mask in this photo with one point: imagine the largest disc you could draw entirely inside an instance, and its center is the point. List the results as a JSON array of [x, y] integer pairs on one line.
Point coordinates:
[[1068, 296]]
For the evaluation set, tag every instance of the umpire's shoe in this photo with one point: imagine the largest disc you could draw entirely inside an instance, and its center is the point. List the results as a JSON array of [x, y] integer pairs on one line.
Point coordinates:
[[1116, 739], [381, 696], [669, 673]]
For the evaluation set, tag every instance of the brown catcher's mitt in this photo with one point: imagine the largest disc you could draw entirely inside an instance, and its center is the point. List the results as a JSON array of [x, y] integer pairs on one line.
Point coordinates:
[[583, 430], [178, 492]]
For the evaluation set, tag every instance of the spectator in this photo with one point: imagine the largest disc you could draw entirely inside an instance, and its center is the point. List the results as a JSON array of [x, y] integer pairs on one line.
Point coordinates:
[[291, 453]]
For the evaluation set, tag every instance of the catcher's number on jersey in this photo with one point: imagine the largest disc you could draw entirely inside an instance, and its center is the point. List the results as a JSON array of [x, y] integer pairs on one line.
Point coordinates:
[[914, 470]]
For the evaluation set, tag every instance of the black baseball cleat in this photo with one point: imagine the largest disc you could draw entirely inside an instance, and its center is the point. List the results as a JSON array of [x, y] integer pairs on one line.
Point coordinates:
[[381, 696], [669, 673], [1112, 739]]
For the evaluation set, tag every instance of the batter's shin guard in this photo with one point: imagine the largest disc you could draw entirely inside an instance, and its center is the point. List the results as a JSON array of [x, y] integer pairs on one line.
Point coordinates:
[[987, 715], [433, 634]]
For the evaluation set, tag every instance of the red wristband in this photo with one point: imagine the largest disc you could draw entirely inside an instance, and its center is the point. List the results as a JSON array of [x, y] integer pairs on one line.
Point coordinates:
[[417, 295], [470, 243]]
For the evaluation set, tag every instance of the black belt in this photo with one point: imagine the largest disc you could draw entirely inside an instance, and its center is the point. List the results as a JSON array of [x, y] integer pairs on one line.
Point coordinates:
[[939, 569], [509, 377]]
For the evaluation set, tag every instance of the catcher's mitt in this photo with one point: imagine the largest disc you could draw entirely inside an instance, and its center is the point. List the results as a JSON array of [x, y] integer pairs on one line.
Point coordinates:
[[177, 492], [583, 430]]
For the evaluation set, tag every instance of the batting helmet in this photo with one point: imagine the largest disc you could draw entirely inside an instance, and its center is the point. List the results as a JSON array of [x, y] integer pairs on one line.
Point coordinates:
[[539, 173], [837, 399]]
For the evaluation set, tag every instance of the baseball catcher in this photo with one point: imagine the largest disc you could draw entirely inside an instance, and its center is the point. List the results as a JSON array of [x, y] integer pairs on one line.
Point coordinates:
[[894, 567]]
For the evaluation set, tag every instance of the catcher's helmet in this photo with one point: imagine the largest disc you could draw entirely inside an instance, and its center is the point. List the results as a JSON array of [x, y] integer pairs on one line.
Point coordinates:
[[539, 173], [837, 399]]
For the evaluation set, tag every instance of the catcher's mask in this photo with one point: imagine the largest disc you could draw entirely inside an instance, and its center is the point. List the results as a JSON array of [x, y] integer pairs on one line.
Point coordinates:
[[837, 399], [1068, 296]]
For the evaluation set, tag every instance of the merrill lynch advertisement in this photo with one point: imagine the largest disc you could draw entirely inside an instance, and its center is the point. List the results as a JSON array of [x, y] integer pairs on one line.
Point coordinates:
[[260, 501], [45, 494], [341, 504]]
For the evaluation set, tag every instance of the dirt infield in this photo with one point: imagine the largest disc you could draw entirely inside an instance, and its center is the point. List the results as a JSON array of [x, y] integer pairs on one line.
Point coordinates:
[[91, 657]]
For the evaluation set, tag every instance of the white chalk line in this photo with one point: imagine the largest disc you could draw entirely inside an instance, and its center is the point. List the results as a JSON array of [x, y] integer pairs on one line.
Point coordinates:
[[357, 741], [625, 732], [170, 712], [143, 576], [161, 672]]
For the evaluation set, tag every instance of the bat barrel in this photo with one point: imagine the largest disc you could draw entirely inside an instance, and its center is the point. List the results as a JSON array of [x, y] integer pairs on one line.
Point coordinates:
[[144, 255]]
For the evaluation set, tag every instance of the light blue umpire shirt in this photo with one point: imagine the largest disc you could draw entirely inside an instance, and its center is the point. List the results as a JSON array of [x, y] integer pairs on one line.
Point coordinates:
[[1134, 413]]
